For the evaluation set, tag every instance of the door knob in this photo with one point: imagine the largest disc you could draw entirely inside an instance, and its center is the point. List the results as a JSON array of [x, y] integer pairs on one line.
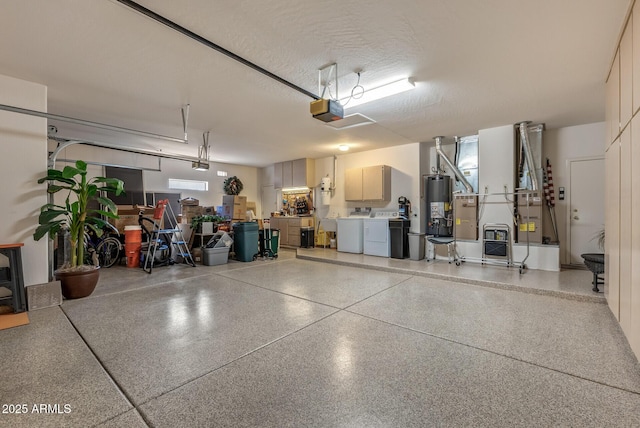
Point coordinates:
[[575, 217]]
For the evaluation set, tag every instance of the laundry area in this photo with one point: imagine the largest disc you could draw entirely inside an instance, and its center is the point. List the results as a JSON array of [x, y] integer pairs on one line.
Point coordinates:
[[312, 197]]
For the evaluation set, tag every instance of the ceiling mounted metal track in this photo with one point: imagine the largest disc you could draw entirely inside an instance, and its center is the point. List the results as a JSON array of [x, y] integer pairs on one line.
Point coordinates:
[[93, 124], [162, 20], [149, 152]]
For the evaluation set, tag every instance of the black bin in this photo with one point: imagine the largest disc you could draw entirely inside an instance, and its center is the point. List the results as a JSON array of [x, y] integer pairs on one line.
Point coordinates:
[[306, 237], [399, 233]]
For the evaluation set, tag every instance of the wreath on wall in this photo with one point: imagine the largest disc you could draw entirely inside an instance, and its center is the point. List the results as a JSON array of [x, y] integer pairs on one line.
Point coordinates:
[[233, 186]]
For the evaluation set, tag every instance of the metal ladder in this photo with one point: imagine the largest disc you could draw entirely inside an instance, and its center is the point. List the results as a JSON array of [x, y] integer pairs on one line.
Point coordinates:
[[177, 238]]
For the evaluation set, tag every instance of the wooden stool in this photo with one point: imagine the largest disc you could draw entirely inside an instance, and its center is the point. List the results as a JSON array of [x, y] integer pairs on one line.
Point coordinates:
[[15, 282]]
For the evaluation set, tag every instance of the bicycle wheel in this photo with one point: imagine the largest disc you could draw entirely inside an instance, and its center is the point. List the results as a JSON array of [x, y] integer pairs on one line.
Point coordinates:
[[108, 251]]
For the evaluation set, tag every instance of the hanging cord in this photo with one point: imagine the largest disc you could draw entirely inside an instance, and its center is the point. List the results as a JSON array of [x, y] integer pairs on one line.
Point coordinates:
[[354, 95]]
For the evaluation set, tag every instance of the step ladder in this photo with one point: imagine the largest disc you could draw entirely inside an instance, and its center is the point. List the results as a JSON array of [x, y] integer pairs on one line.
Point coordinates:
[[164, 215]]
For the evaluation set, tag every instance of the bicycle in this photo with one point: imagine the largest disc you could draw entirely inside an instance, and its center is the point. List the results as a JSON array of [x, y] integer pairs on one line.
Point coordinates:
[[103, 251]]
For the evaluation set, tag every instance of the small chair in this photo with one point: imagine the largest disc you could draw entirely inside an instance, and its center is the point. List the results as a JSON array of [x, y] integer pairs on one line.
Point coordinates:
[[450, 242], [14, 281], [595, 263]]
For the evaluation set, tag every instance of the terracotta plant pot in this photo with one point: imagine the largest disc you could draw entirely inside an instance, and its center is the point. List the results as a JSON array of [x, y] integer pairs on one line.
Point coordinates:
[[78, 283]]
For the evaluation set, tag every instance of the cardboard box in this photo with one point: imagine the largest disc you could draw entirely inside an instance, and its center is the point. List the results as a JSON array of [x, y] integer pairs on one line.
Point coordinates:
[[251, 206], [189, 202], [129, 215], [189, 212], [196, 253], [234, 207]]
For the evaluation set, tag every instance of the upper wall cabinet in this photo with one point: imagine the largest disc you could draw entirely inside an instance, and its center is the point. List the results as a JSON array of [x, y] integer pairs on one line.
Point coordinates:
[[296, 173], [371, 183]]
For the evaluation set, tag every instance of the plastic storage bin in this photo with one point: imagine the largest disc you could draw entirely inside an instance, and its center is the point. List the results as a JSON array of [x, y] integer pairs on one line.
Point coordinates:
[[215, 256], [246, 240]]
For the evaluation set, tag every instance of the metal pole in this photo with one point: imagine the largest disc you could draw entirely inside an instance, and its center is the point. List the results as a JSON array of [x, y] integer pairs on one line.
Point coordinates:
[[89, 123]]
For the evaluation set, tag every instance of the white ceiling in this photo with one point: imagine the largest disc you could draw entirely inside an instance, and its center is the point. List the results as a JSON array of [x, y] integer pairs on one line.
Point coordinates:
[[476, 64]]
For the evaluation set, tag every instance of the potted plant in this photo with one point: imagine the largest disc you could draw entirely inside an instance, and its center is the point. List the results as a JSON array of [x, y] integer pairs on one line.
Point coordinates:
[[197, 223], [76, 215]]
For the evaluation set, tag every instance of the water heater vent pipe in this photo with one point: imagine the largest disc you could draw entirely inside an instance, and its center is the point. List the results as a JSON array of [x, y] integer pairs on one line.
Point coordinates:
[[524, 139], [456, 171]]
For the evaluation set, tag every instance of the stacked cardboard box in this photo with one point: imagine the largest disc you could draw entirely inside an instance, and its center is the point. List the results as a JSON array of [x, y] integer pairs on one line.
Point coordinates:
[[128, 216], [234, 207], [190, 211]]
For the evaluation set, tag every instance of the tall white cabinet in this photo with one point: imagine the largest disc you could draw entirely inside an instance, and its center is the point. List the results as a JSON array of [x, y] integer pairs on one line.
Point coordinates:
[[622, 212]]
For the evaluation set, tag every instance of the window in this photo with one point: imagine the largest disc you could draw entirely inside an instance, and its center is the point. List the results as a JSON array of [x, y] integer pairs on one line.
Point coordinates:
[[222, 173], [134, 193], [179, 184]]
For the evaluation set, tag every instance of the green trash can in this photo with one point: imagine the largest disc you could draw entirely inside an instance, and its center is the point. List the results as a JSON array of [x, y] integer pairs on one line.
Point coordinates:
[[245, 238], [275, 235]]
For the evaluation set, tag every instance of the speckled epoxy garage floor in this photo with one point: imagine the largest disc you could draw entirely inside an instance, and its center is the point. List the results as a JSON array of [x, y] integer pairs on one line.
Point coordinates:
[[302, 343]]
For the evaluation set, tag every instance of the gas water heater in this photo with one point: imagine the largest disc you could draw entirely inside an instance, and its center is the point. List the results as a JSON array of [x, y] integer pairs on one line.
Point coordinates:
[[438, 199], [325, 188]]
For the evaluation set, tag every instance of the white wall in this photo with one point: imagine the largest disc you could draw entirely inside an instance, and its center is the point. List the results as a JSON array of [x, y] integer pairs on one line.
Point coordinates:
[[158, 181], [561, 145], [496, 174], [405, 180], [24, 159]]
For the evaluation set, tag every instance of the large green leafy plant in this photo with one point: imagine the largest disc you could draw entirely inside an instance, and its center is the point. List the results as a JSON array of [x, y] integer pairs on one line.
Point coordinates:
[[76, 214]]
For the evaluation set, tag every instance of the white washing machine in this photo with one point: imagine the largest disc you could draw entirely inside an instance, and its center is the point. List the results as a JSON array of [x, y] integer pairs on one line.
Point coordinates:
[[350, 234], [377, 239]]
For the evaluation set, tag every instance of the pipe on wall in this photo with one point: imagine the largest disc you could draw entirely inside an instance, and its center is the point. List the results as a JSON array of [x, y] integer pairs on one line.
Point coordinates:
[[524, 139], [456, 171]]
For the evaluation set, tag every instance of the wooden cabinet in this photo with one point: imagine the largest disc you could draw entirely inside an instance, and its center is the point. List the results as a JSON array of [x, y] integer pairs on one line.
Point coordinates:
[[281, 224], [635, 16], [296, 173], [612, 114], [287, 174], [290, 229], [376, 183], [371, 183], [626, 74], [353, 184], [622, 168], [277, 175], [624, 241], [303, 173], [612, 227]]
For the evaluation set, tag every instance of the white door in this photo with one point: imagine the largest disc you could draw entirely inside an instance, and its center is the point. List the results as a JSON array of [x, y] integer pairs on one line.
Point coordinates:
[[586, 206]]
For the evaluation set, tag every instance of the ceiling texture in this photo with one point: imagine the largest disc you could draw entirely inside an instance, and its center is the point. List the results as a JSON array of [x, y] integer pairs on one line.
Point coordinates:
[[476, 64]]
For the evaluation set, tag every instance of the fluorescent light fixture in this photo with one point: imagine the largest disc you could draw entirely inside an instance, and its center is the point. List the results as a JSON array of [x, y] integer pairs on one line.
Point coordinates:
[[295, 189], [343, 148], [378, 92], [350, 121], [200, 166], [203, 154]]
